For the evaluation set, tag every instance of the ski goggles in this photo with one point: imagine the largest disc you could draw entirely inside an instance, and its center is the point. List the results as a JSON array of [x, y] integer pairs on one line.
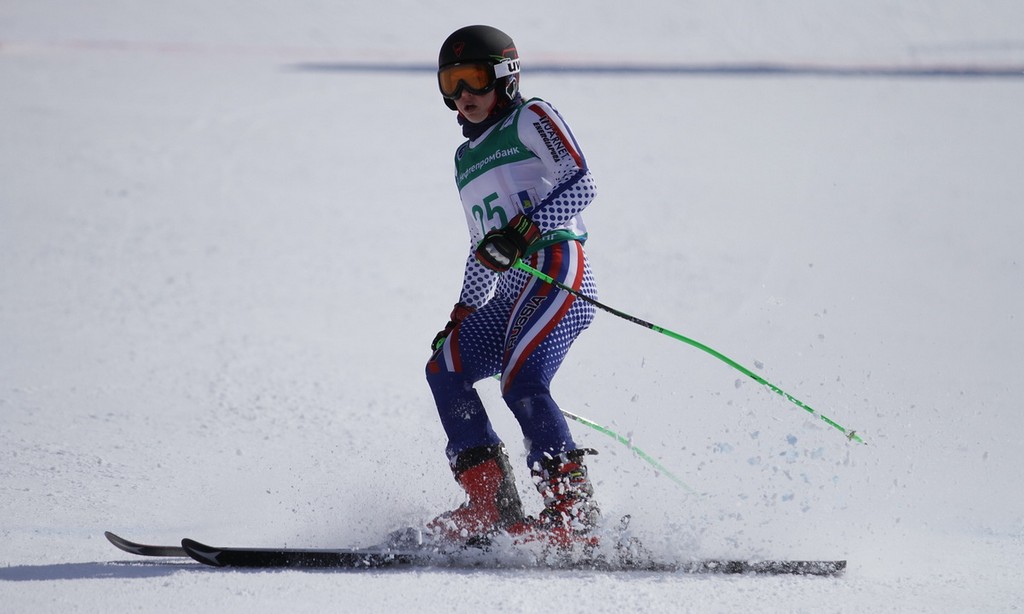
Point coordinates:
[[474, 77]]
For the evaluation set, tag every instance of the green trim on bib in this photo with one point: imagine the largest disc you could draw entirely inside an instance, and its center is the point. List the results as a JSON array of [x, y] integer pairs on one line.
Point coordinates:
[[502, 146], [555, 236]]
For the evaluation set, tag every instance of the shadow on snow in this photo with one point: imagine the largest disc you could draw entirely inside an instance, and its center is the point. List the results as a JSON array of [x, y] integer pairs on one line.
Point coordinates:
[[95, 571]]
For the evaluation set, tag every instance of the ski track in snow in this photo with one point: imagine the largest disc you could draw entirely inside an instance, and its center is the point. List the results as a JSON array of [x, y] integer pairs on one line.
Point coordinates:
[[220, 273]]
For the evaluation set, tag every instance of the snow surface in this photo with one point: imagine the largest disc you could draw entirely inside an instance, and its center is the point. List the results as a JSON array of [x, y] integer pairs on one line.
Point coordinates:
[[221, 271]]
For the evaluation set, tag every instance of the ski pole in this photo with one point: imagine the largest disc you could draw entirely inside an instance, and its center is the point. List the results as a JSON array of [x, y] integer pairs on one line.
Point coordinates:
[[850, 434], [626, 442], [629, 444]]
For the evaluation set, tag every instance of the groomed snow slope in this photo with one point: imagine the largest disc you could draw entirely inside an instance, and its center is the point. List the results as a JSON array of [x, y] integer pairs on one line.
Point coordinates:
[[222, 261]]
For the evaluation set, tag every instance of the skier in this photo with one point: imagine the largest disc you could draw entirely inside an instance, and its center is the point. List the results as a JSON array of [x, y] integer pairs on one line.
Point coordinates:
[[523, 182]]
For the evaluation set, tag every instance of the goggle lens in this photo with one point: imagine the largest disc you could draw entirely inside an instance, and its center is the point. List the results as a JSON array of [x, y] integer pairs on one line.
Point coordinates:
[[478, 78]]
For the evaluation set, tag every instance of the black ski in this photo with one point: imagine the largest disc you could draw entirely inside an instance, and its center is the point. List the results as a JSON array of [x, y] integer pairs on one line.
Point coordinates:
[[412, 556], [376, 558], [351, 558], [769, 568], [144, 549]]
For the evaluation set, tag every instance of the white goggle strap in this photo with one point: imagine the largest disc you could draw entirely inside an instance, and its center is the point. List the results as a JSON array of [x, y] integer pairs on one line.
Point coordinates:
[[506, 68]]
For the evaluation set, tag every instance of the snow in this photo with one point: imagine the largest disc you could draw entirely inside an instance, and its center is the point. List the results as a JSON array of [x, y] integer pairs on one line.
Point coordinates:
[[221, 272]]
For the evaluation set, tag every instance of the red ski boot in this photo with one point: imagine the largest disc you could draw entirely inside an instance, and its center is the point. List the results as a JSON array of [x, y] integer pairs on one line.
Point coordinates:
[[570, 513], [492, 502]]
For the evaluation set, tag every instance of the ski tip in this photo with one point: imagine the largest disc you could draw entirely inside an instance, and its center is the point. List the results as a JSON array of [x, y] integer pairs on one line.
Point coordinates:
[[142, 549], [201, 552], [124, 544], [118, 541]]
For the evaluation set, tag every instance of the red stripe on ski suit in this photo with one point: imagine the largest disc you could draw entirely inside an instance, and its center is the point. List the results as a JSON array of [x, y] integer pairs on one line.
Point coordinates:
[[561, 136], [551, 269]]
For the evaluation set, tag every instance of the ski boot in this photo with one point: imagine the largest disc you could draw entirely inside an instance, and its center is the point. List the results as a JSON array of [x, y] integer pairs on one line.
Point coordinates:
[[492, 503], [570, 512]]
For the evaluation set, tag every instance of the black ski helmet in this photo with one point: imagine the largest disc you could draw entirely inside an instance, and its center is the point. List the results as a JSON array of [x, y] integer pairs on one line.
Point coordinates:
[[481, 44]]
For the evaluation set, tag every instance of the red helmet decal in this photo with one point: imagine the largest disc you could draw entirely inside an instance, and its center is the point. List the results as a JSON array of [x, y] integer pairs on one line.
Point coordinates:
[[458, 48]]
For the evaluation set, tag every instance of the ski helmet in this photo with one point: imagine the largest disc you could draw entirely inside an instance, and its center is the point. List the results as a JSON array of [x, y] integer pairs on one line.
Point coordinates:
[[478, 46]]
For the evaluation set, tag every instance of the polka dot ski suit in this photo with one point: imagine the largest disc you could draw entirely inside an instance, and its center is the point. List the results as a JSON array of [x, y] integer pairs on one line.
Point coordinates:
[[523, 327]]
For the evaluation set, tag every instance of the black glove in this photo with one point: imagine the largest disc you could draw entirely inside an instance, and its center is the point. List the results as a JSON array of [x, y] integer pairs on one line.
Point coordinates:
[[460, 312], [502, 247]]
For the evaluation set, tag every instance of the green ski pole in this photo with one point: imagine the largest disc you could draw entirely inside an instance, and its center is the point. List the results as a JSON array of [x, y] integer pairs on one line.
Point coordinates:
[[604, 430], [629, 444], [850, 434]]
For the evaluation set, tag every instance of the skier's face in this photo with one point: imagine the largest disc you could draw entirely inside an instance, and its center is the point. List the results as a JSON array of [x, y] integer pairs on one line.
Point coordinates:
[[476, 107]]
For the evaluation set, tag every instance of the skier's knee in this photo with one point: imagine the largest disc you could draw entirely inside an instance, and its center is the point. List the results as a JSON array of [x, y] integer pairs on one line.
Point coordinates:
[[520, 390]]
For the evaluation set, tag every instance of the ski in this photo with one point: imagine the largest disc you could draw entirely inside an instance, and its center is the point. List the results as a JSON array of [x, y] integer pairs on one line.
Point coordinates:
[[350, 558], [768, 568], [406, 554], [144, 549], [377, 558]]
